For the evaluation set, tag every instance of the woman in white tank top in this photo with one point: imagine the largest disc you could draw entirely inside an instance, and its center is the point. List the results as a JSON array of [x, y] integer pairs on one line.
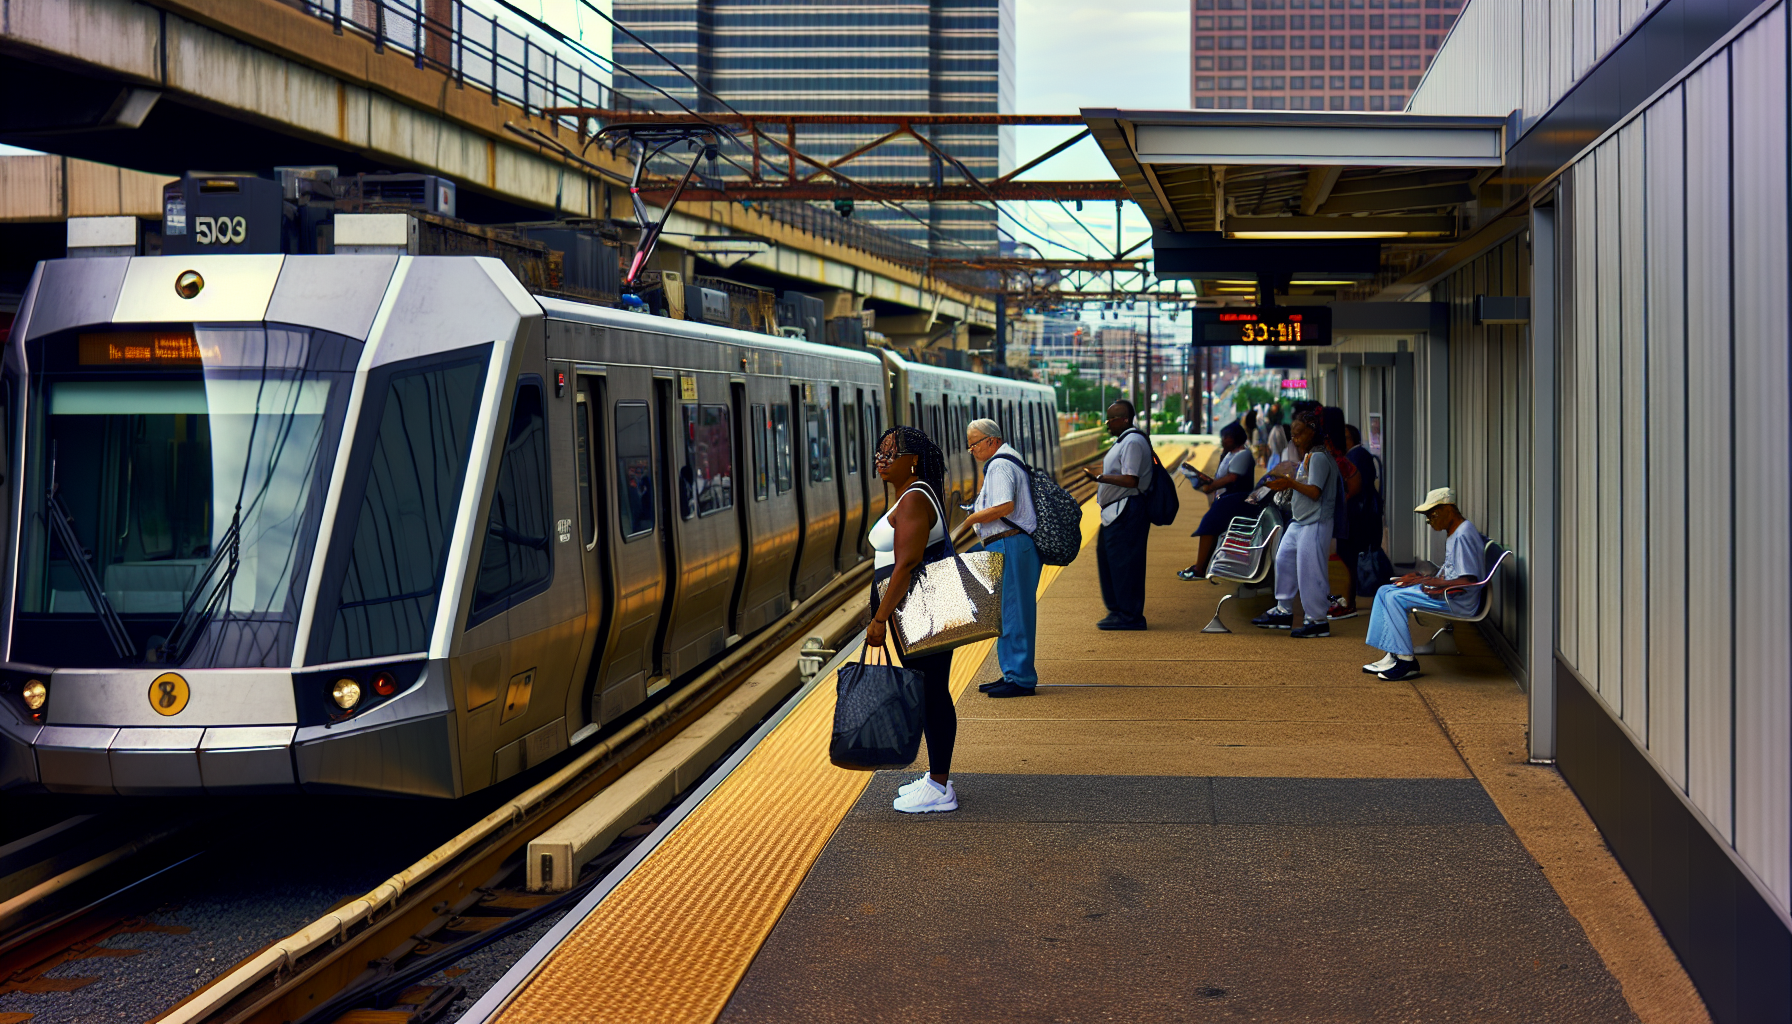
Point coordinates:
[[912, 532]]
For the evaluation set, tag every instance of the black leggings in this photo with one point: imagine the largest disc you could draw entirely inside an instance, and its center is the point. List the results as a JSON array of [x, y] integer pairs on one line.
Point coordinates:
[[941, 726], [941, 722]]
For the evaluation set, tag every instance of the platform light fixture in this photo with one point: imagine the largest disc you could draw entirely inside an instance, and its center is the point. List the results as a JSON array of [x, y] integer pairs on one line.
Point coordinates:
[[1296, 236]]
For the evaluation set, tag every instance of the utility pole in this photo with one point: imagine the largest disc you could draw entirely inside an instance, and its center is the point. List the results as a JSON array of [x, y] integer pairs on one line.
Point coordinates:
[[1148, 368]]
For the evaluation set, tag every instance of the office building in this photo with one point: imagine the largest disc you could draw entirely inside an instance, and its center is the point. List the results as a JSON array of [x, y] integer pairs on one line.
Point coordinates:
[[1313, 54], [898, 57]]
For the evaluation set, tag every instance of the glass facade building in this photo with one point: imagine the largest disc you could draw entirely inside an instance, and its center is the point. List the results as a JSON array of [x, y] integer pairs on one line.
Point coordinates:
[[1313, 54], [829, 57]]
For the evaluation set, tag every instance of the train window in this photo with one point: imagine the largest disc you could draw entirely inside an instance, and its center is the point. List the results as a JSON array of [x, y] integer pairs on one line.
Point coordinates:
[[781, 434], [762, 471], [518, 558], [851, 416], [581, 428], [634, 469], [387, 601], [820, 445], [709, 455]]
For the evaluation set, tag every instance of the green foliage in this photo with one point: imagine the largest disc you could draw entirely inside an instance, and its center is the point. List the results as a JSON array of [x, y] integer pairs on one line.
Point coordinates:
[[1078, 394], [1247, 395]]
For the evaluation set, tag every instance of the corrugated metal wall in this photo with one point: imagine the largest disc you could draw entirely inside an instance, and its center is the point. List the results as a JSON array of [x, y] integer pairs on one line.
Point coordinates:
[[1490, 424], [1674, 378], [1506, 55]]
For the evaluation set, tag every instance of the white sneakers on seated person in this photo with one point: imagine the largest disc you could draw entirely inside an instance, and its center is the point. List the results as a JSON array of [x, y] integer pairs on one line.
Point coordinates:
[[1386, 662]]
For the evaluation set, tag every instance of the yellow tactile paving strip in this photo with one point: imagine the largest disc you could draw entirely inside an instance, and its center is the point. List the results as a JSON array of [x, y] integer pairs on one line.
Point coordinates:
[[673, 940]]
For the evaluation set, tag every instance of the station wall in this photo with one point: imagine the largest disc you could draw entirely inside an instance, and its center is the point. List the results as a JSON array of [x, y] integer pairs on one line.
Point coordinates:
[[1489, 416], [1674, 366], [1523, 55]]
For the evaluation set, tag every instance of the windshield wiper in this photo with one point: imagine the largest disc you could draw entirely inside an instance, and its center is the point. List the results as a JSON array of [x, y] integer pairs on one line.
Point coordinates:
[[196, 613], [62, 525]]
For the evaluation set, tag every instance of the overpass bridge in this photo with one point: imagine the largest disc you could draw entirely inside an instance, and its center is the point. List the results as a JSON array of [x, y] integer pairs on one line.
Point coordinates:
[[226, 84]]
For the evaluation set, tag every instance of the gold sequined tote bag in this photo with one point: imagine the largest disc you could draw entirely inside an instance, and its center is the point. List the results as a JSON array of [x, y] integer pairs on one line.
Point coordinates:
[[952, 600]]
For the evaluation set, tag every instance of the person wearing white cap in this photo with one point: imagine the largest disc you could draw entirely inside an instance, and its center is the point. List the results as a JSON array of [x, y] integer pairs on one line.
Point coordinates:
[[1464, 562]]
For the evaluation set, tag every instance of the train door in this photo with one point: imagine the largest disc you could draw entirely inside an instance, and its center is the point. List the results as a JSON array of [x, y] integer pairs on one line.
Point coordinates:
[[848, 476], [703, 539], [634, 539], [860, 414], [872, 413], [593, 535], [818, 500], [750, 471]]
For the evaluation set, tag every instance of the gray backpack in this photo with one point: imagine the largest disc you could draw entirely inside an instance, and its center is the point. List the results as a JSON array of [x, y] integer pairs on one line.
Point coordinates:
[[1059, 533]]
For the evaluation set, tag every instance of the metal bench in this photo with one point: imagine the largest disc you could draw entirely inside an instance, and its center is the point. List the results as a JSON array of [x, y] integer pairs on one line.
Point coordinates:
[[1246, 555], [1444, 640]]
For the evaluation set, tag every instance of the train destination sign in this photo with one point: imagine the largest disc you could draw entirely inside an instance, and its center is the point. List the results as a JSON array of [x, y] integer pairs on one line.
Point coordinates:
[[1259, 325]]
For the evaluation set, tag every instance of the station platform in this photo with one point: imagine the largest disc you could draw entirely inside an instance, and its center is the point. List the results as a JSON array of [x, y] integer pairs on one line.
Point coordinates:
[[1178, 827]]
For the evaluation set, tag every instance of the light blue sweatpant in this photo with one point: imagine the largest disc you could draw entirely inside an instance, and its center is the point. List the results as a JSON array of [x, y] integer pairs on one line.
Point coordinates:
[[1020, 608], [1301, 568], [1388, 628]]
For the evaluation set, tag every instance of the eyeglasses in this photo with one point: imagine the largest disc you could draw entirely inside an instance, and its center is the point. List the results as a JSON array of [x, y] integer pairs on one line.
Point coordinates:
[[973, 445]]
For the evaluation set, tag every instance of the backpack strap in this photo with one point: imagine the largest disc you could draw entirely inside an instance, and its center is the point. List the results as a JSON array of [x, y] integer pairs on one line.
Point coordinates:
[[1024, 468]]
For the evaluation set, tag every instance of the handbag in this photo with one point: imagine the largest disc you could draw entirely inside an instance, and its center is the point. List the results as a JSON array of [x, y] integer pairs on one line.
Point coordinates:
[[878, 715], [952, 601]]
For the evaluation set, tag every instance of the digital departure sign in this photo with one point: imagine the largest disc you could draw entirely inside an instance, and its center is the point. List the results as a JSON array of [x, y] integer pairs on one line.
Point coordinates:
[[1258, 325], [140, 348]]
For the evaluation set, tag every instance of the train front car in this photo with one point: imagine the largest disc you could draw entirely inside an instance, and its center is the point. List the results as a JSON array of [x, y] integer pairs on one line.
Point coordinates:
[[243, 492]]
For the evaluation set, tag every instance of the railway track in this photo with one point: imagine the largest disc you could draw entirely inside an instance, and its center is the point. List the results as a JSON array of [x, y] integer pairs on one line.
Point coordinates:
[[388, 957]]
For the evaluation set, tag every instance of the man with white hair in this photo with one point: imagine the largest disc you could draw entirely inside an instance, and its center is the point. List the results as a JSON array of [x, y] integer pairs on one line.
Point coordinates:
[[1464, 562], [1005, 520]]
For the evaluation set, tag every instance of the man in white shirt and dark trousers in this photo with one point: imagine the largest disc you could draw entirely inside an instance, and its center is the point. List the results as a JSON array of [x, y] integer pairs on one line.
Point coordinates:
[[1465, 559], [1005, 521], [1125, 527]]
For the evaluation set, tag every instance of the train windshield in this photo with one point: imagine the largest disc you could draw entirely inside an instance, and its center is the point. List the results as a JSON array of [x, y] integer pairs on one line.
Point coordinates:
[[177, 481]]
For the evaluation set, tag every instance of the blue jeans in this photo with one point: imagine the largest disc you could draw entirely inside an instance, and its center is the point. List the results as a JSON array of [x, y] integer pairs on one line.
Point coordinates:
[[1020, 608], [1388, 629]]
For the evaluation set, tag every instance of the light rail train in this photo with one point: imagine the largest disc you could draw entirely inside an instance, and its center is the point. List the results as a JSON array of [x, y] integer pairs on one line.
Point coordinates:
[[392, 524]]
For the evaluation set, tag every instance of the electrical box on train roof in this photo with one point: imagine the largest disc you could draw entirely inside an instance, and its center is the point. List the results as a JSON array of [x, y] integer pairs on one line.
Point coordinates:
[[222, 213]]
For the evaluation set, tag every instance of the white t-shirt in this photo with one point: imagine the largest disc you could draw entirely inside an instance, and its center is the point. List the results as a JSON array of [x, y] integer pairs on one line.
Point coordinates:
[[1130, 456]]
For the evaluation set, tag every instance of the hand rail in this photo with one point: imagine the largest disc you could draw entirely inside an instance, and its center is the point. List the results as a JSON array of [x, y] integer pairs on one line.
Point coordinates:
[[472, 48]]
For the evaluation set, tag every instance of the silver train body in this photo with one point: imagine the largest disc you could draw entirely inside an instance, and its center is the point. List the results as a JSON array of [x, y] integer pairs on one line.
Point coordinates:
[[388, 524]]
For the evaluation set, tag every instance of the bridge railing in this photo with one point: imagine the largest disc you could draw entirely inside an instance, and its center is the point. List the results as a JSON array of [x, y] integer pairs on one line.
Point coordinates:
[[472, 48]]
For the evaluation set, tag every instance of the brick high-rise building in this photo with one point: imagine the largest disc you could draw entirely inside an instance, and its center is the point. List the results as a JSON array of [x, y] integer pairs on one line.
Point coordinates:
[[1313, 54]]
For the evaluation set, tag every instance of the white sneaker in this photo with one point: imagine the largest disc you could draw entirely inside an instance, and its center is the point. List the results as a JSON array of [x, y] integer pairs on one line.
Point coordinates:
[[927, 797], [1386, 662], [908, 787]]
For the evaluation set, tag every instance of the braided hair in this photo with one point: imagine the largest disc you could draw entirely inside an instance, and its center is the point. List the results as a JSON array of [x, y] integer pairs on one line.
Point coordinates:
[[930, 464]]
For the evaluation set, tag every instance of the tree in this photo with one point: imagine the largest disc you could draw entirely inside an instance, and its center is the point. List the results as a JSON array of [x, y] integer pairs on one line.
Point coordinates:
[[1248, 395]]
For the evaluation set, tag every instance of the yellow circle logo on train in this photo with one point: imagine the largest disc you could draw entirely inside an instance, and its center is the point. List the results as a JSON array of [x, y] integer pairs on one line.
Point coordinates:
[[169, 694]]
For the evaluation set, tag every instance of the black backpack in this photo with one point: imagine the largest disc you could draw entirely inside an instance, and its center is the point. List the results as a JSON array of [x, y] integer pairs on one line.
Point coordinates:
[[1058, 533], [1159, 496]]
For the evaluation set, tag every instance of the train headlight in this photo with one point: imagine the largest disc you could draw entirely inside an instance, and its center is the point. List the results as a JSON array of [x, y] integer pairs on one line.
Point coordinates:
[[34, 693], [385, 684], [189, 284], [346, 693]]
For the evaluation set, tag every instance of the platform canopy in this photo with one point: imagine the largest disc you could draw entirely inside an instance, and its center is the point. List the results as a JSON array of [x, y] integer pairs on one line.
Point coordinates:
[[1271, 192]]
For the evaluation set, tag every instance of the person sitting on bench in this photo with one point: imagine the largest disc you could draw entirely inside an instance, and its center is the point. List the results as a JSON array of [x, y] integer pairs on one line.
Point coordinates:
[[1464, 562], [1227, 489]]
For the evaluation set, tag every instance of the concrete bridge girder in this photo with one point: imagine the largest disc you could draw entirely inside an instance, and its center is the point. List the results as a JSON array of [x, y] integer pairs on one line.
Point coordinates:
[[299, 80]]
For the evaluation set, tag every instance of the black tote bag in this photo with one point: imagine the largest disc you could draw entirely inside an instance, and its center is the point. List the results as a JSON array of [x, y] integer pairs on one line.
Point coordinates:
[[878, 713]]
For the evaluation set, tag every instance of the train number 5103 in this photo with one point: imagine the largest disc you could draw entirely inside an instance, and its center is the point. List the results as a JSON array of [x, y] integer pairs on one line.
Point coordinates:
[[219, 230]]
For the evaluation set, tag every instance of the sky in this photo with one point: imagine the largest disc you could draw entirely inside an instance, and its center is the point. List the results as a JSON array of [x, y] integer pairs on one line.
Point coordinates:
[[1071, 54]]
